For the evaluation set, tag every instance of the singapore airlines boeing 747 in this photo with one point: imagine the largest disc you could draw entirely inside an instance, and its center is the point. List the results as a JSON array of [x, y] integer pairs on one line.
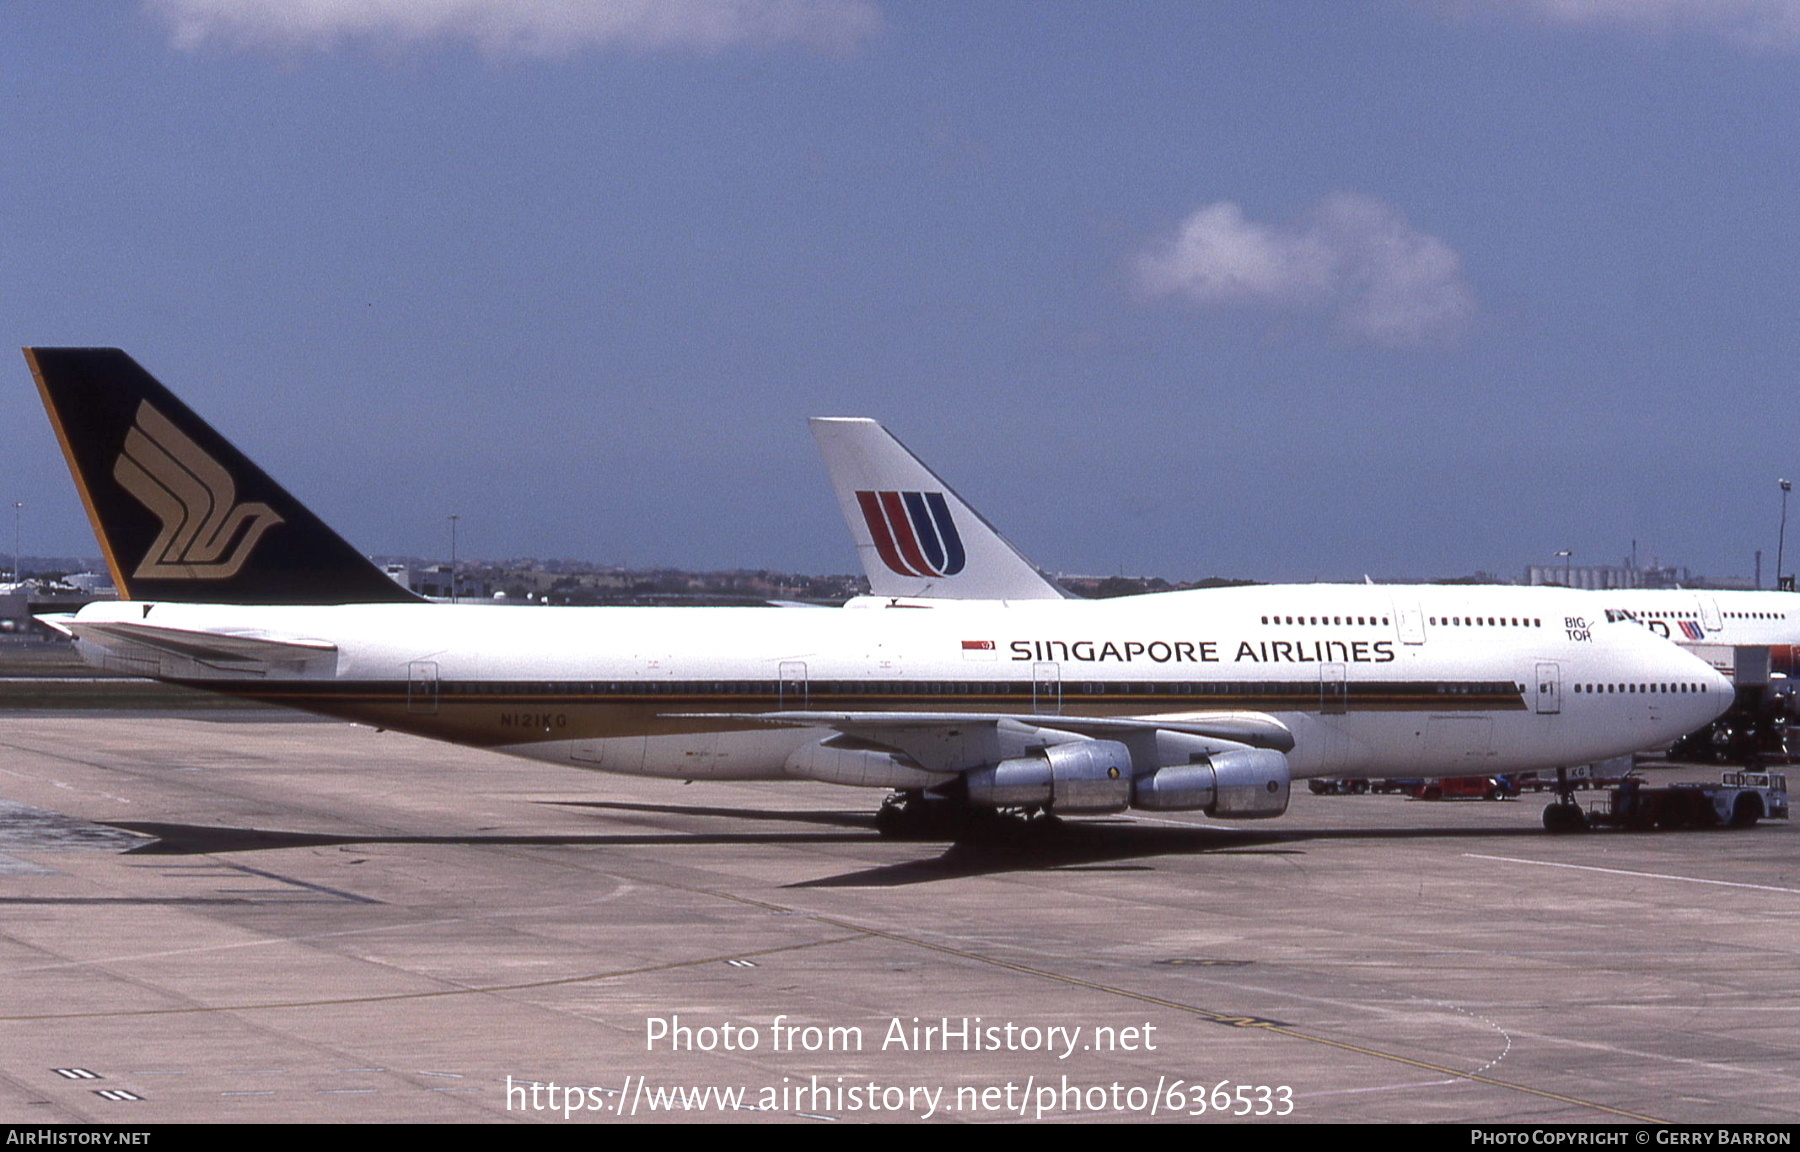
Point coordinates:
[[922, 546], [1207, 701]]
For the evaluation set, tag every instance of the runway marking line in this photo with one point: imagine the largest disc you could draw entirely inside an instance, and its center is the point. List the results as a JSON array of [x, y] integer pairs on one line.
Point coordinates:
[[435, 993], [864, 932], [1254, 1022], [1627, 872], [1235, 1021]]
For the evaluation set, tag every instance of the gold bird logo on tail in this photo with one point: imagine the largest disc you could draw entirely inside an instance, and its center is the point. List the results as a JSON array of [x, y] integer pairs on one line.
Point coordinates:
[[206, 534]]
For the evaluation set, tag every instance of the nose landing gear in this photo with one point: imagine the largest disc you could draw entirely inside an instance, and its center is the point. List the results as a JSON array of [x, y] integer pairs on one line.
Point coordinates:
[[1565, 815]]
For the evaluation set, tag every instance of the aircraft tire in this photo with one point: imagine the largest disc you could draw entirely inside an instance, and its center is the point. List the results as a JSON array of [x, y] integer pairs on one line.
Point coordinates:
[[904, 817], [890, 821], [1563, 818], [912, 817]]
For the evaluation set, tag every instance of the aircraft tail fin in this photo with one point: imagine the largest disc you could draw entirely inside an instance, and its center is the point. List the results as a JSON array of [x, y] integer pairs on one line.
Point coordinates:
[[180, 513], [915, 536]]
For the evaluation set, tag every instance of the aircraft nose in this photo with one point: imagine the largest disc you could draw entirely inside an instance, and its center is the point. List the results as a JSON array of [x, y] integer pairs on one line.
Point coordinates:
[[1723, 691], [1702, 694], [1716, 692]]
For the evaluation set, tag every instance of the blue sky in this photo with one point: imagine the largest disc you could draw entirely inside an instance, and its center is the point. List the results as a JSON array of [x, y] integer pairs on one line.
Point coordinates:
[[1277, 290]]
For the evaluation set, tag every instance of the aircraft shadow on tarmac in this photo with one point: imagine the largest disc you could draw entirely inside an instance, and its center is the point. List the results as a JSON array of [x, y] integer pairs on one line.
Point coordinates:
[[839, 819], [1109, 846], [205, 840], [1083, 845]]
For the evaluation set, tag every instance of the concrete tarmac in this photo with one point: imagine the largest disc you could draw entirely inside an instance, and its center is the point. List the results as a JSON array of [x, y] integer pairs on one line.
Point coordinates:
[[235, 917]]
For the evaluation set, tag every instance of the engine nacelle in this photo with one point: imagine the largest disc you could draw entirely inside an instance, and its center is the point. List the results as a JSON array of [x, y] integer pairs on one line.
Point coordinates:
[[1253, 784], [1082, 776], [1238, 784], [1177, 788]]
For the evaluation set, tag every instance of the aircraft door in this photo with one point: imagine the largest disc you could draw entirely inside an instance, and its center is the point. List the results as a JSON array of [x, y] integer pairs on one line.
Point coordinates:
[[1334, 699], [1411, 621], [422, 688], [1046, 688], [1549, 690], [1709, 614], [793, 684]]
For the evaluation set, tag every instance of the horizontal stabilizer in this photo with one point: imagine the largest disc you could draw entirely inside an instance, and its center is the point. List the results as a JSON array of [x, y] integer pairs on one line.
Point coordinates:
[[238, 652], [58, 621]]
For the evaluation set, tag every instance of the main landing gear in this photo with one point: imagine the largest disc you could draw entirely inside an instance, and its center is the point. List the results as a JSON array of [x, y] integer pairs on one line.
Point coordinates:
[[916, 815], [1565, 815]]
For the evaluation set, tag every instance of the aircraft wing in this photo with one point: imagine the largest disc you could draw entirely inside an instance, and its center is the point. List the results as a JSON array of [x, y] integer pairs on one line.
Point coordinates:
[[1258, 729], [960, 741], [256, 652]]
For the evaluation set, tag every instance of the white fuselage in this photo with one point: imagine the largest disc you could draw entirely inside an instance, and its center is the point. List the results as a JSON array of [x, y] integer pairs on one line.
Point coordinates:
[[1429, 681], [1709, 622]]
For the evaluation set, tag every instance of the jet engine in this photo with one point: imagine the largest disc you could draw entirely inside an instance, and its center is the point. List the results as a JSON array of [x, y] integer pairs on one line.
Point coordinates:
[[1237, 784], [1082, 776]]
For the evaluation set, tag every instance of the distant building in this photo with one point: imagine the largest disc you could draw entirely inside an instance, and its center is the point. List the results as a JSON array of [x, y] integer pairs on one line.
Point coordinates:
[[20, 602], [1602, 577], [440, 582], [96, 584]]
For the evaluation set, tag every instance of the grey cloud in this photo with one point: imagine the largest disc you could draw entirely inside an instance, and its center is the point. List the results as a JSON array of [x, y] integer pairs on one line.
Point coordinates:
[[521, 28], [1764, 25], [1351, 256]]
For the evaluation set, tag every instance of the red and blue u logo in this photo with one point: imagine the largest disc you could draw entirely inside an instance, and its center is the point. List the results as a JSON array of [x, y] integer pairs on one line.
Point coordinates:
[[913, 532]]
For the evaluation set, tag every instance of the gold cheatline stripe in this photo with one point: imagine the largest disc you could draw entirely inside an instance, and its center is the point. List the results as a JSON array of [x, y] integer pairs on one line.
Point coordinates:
[[398, 692]]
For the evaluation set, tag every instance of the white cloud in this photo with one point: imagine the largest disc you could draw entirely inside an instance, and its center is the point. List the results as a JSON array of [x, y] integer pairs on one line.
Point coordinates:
[[1351, 256], [1772, 25], [510, 28]]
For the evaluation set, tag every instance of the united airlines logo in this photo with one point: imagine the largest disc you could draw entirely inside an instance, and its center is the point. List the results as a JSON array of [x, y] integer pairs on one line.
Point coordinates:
[[1691, 630], [913, 532], [206, 534]]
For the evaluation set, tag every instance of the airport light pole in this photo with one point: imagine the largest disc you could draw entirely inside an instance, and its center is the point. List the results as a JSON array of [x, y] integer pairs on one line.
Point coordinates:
[[454, 517], [1565, 554], [18, 506], [1781, 582]]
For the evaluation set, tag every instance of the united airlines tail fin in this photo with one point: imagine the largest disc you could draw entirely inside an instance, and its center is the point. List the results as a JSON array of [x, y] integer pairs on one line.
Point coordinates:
[[179, 512], [915, 536]]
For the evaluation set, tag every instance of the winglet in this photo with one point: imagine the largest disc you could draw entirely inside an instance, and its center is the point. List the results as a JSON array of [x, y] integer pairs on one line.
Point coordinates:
[[180, 513], [915, 536]]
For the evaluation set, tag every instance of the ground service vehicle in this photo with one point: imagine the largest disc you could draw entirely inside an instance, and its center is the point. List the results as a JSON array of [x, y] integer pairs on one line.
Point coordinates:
[[1739, 800], [1467, 788]]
